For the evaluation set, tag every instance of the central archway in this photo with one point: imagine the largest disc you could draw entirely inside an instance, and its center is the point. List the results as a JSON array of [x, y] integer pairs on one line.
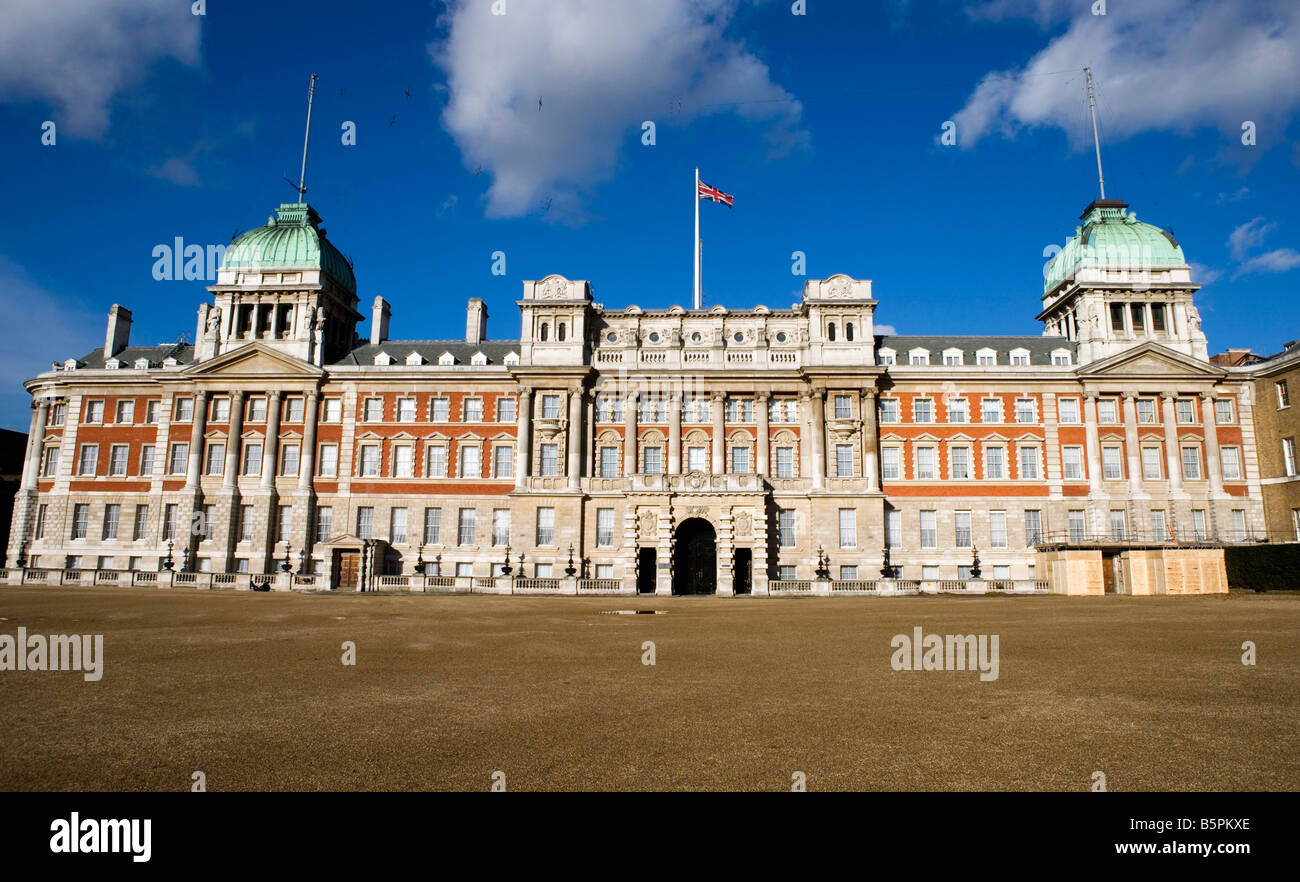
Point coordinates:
[[695, 558]]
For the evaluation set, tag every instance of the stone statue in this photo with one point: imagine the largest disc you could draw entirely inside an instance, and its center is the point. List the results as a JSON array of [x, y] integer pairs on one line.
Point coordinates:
[[214, 321]]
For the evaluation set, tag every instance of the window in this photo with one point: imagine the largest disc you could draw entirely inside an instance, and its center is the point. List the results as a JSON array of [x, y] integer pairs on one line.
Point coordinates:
[[505, 409], [406, 410], [925, 463], [848, 527], [995, 463], [1283, 394], [1151, 464], [604, 526], [439, 410], [180, 455], [184, 410], [919, 358], [922, 410], [126, 412], [740, 461], [843, 407], [433, 526], [500, 526], [436, 465], [1072, 463], [329, 461], [365, 522], [80, 520], [696, 409], [1068, 410], [961, 521], [960, 463], [697, 459], [550, 460], [245, 523], [848, 572], [293, 410], [324, 523], [889, 410], [1024, 410], [1107, 411], [545, 526], [252, 458], [929, 571], [170, 512], [1159, 529], [1111, 467], [1185, 411], [844, 460], [372, 410], [542, 571], [785, 462], [112, 513], [1117, 314], [929, 529], [1224, 411], [257, 410], [369, 460], [50, 461], [952, 358], [893, 528], [654, 460], [786, 572], [890, 459], [140, 529], [550, 407], [1191, 463], [147, 455], [740, 410], [59, 413], [471, 461], [397, 526], [830, 332], [503, 461], [1230, 458], [986, 359], [1288, 457], [785, 527], [94, 411], [1238, 516], [609, 461], [991, 410], [1020, 359], [1061, 359], [609, 408], [1139, 315], [604, 571], [1146, 409], [403, 461], [473, 410], [290, 458], [1028, 463], [1078, 526], [1198, 524], [1033, 527], [117, 458], [1158, 323], [332, 411], [283, 522], [653, 409], [87, 460], [1118, 525], [216, 460]]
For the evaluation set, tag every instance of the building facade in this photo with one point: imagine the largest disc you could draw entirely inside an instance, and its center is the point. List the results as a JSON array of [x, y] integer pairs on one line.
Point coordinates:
[[666, 450], [1276, 378]]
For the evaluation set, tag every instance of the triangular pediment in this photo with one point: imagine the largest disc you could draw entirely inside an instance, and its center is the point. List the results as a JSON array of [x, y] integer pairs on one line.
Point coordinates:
[[254, 360], [1151, 361]]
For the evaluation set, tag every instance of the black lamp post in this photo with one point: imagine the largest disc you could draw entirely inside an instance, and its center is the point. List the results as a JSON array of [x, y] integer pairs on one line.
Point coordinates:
[[185, 559], [287, 565], [505, 567], [22, 555], [822, 571], [419, 562], [570, 569], [975, 563], [168, 562], [886, 571]]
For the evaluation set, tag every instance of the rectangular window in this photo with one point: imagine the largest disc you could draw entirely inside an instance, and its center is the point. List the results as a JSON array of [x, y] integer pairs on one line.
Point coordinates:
[[545, 526], [550, 460], [216, 461], [991, 410], [1146, 408], [1033, 527], [436, 467], [180, 456], [922, 410], [170, 513], [961, 521], [986, 360], [500, 526], [372, 410], [283, 522], [126, 412], [112, 513], [787, 572], [1111, 467], [370, 460], [604, 526], [88, 458], [397, 526], [952, 359], [1289, 457], [440, 410], [329, 461], [604, 571], [844, 460], [540, 571], [925, 463], [257, 410], [1158, 323], [1072, 463], [785, 462], [1028, 463], [94, 411], [118, 455], [1238, 516], [1198, 524], [324, 523], [995, 463], [433, 526], [184, 410], [147, 455], [59, 413], [785, 527], [403, 461], [503, 461], [890, 459], [1151, 464], [471, 461], [50, 461], [609, 409], [843, 407], [1231, 459], [473, 410], [1191, 463], [609, 461], [888, 410], [1107, 410], [252, 458], [1185, 411], [998, 529], [1117, 313], [848, 527], [893, 528], [291, 458], [1224, 413], [1078, 526], [245, 523], [1024, 410], [1283, 394], [958, 410], [740, 461], [505, 408], [1068, 410], [1118, 525], [141, 527], [1138, 313], [80, 520], [332, 410], [929, 571], [406, 410], [654, 460], [365, 522], [1019, 359], [960, 463], [929, 529], [293, 410], [1159, 529], [697, 459], [550, 407]]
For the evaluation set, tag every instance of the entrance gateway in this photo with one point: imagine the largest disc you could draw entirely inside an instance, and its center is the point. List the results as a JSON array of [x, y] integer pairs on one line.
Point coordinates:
[[695, 558]]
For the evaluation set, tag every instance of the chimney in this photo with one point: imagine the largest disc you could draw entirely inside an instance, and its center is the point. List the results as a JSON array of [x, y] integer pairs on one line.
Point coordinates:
[[380, 314], [475, 321], [119, 330]]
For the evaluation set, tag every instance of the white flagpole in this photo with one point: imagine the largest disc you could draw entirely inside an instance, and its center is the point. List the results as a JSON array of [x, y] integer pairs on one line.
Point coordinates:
[[696, 196]]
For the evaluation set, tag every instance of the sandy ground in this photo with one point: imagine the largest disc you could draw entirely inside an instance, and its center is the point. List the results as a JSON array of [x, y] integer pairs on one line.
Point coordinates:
[[250, 689]]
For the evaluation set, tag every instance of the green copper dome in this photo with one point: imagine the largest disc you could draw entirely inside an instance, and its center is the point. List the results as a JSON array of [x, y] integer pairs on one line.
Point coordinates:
[[1113, 238], [293, 239]]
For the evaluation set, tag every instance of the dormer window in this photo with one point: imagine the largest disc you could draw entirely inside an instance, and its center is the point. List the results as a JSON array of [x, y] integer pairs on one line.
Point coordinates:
[[1061, 357], [953, 357], [1020, 357], [383, 359], [142, 364], [512, 359], [446, 358], [919, 357], [478, 358], [414, 358]]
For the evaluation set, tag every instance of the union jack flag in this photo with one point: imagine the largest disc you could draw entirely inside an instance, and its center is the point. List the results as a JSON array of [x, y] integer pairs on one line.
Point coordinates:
[[707, 192]]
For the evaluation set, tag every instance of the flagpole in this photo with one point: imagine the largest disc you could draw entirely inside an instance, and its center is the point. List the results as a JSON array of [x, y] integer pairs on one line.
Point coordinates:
[[696, 277]]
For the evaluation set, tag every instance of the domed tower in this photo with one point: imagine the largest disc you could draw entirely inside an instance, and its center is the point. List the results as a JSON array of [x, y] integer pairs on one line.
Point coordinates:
[[1119, 282], [283, 285]]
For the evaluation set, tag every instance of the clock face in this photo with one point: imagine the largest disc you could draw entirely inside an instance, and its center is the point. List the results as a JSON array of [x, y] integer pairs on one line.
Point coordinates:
[[654, 336], [696, 338], [612, 337], [780, 338]]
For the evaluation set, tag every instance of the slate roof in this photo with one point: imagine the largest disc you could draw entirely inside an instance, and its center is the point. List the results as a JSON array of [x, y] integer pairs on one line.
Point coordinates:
[[495, 350], [182, 352], [1040, 347]]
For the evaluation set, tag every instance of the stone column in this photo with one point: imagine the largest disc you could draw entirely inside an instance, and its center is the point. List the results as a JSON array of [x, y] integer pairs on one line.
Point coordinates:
[[718, 415], [196, 439], [523, 441], [1094, 443], [1210, 421], [675, 434], [761, 402], [575, 437], [307, 462], [1173, 454], [870, 440], [271, 445], [36, 444], [234, 444], [1131, 449], [629, 434], [817, 401]]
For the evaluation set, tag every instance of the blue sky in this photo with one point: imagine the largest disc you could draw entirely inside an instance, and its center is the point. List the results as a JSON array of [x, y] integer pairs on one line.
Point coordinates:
[[825, 126]]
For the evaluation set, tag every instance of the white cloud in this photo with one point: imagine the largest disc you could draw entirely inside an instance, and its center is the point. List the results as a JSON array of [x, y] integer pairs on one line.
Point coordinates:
[[179, 170], [1279, 260], [1204, 275], [77, 54], [599, 70], [1159, 65], [885, 330], [1249, 235]]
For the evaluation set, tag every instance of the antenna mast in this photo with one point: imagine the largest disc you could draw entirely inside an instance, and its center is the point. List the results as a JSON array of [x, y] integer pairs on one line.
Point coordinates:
[[1096, 141], [302, 176]]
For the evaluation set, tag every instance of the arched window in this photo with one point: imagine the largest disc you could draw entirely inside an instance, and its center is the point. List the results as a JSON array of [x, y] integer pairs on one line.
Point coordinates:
[[830, 332], [545, 332], [848, 331], [559, 332]]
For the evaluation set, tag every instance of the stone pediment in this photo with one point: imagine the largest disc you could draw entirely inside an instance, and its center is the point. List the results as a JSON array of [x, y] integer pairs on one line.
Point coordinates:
[[1151, 360], [253, 360]]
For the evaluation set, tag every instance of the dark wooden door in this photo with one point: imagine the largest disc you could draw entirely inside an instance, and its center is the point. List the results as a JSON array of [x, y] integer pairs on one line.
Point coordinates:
[[349, 570]]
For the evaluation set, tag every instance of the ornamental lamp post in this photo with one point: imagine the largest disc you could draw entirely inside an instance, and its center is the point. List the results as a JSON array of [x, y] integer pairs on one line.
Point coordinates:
[[570, 569], [505, 567]]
